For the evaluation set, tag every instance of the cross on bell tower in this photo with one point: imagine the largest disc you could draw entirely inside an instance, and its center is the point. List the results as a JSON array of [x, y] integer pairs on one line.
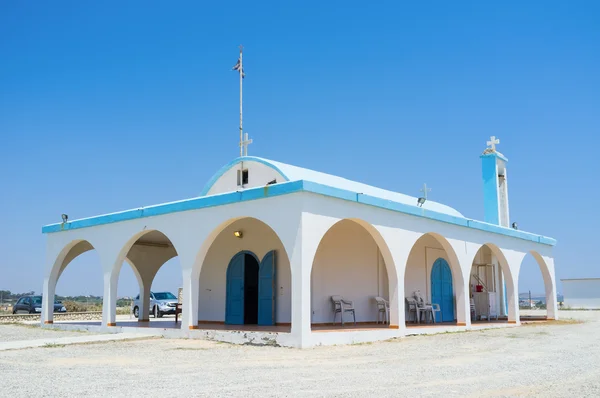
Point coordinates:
[[493, 142]]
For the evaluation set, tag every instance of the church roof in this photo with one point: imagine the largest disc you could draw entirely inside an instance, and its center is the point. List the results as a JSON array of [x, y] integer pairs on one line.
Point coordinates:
[[295, 173]]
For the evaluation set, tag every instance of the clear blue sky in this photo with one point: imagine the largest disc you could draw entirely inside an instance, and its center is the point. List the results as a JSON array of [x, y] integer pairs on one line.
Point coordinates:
[[106, 106]]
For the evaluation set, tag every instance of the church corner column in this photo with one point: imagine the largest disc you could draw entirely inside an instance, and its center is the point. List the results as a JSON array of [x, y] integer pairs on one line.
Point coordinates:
[[301, 259], [189, 306], [550, 287], [48, 301]]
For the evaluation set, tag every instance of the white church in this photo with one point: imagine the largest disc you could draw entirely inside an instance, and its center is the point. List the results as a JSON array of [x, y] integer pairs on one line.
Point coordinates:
[[284, 254]]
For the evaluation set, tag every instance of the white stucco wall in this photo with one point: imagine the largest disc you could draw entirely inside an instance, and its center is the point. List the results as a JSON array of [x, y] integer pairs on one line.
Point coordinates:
[[582, 293], [259, 175], [258, 238], [348, 264]]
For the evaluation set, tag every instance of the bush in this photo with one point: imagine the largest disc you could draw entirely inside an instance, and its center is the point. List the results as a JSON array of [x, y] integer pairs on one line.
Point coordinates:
[[76, 306], [73, 306]]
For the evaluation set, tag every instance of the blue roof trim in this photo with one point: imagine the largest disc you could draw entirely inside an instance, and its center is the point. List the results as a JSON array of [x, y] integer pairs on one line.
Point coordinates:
[[229, 165], [285, 188], [182, 205]]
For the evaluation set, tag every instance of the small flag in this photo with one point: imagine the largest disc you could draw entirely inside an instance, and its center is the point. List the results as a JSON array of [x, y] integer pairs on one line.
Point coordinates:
[[238, 66]]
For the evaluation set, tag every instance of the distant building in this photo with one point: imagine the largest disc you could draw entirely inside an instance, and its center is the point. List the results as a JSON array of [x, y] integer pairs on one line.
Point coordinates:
[[581, 293]]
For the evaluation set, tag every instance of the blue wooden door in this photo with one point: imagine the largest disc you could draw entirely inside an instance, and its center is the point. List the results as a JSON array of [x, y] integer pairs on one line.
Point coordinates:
[[267, 290], [234, 306], [441, 290]]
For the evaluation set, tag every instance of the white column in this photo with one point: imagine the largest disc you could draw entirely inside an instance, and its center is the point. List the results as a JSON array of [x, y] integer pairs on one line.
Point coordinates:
[[400, 252], [463, 305], [144, 310], [109, 305], [301, 317], [550, 285], [189, 307], [512, 296], [308, 237], [48, 300], [465, 254]]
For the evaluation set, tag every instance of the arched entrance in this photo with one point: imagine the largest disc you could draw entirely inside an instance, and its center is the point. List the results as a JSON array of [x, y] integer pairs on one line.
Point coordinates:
[[491, 287], [442, 291], [250, 297], [245, 235], [433, 273]]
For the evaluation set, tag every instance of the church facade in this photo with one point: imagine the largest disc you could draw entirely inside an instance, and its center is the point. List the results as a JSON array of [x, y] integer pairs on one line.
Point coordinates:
[[268, 246]]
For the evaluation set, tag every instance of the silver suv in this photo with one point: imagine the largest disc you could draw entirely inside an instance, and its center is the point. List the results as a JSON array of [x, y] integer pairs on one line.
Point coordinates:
[[161, 303]]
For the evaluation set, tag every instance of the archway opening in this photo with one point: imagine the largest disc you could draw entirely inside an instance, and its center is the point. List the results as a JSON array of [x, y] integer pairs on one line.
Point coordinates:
[[80, 284], [348, 263], [537, 293], [74, 284], [153, 260], [245, 278], [432, 279], [488, 283]]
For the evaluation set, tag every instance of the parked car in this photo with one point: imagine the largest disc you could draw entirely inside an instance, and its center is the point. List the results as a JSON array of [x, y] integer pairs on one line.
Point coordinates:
[[33, 305], [161, 303]]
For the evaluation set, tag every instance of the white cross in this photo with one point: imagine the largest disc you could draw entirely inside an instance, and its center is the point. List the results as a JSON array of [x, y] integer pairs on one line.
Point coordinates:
[[493, 142], [425, 190], [244, 144]]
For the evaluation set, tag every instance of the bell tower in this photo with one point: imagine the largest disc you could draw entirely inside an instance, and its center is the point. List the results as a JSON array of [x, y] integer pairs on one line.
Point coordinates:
[[495, 185]]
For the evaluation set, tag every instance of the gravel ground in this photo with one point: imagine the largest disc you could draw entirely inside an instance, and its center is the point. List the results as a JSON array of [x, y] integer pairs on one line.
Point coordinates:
[[12, 332], [560, 359]]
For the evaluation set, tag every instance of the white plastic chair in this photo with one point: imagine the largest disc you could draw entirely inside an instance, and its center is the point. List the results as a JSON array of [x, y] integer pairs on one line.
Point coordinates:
[[425, 308], [340, 306], [412, 309], [383, 307]]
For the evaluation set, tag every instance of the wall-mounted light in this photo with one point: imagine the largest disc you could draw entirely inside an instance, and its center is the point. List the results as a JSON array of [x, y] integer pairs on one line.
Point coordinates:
[[421, 201], [65, 218], [515, 225], [238, 234]]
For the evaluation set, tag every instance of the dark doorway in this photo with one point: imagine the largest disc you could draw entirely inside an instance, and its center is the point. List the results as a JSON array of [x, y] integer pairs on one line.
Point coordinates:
[[250, 290]]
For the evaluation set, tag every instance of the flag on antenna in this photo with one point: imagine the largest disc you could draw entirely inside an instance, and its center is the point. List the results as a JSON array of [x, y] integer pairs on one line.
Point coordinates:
[[238, 66]]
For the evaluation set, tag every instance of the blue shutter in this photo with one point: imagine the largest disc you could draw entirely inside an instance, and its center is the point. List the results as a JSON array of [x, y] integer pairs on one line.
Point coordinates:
[[267, 290], [234, 307]]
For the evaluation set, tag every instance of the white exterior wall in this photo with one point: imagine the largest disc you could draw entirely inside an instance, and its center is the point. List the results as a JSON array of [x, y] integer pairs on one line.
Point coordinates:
[[348, 264], [259, 175], [258, 238], [582, 293]]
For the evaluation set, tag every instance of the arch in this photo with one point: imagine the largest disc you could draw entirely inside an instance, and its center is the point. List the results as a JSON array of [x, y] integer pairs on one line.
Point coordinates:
[[426, 250], [215, 254], [505, 286], [547, 272], [68, 253], [353, 260], [146, 252], [214, 234]]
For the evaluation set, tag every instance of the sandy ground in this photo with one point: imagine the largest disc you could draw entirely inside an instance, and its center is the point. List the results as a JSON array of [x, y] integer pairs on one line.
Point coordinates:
[[560, 359]]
